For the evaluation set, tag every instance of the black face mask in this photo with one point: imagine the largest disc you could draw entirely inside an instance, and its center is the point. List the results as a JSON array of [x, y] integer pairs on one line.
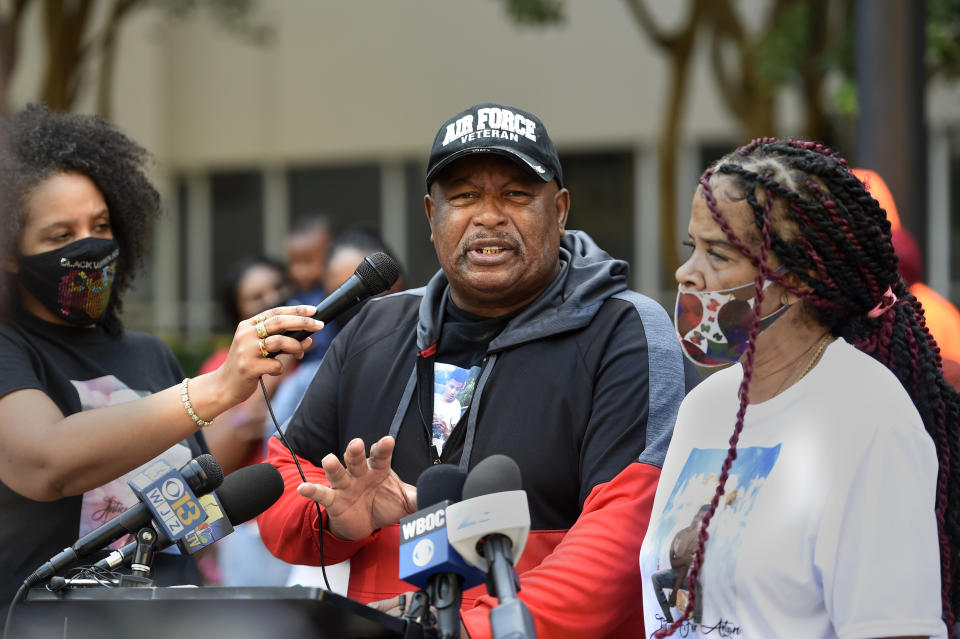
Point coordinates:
[[74, 281]]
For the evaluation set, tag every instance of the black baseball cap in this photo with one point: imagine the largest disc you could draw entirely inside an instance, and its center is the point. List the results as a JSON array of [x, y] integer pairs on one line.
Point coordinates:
[[495, 128]]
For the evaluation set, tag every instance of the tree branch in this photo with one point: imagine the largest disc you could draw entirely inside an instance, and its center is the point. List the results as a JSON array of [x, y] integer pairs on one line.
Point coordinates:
[[9, 47], [731, 90], [727, 26], [108, 54], [645, 21]]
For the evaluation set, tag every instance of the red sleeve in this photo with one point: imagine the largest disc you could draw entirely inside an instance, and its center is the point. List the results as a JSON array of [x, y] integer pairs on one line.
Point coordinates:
[[289, 527], [589, 586]]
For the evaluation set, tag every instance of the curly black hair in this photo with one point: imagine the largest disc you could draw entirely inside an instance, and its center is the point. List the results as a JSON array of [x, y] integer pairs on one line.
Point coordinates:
[[41, 144]]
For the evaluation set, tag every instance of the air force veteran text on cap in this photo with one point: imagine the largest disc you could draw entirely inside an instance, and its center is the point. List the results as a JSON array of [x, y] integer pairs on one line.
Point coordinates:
[[494, 128]]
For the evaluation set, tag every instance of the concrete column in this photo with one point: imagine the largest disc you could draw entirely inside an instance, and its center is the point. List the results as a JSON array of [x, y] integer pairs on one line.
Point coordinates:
[[199, 264], [891, 85], [167, 262], [393, 208], [647, 256], [937, 266], [276, 211]]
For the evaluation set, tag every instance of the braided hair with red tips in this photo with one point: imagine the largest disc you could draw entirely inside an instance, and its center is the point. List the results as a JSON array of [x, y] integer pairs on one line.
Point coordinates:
[[832, 237]]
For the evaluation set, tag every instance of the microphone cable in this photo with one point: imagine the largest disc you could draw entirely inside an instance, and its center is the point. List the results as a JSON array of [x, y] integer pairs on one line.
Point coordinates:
[[17, 597], [276, 425], [375, 274]]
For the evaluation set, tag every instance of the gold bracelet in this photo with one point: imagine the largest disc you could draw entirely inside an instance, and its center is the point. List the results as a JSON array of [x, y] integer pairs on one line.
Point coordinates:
[[185, 398]]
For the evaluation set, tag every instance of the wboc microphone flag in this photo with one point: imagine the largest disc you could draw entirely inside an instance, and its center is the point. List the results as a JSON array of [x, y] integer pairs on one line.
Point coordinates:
[[425, 550], [174, 506]]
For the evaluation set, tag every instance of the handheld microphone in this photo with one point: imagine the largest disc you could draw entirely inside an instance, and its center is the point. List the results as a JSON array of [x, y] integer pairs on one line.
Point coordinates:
[[427, 559], [489, 528], [165, 498], [375, 274], [244, 494]]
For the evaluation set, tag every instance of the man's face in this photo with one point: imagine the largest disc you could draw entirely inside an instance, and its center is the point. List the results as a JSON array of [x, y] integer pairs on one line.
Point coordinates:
[[453, 389], [496, 229]]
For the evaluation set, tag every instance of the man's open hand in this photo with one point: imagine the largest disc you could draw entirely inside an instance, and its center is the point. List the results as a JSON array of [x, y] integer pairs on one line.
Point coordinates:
[[364, 493]]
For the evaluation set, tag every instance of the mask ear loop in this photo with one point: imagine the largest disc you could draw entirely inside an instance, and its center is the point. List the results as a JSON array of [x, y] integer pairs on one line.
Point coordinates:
[[785, 304]]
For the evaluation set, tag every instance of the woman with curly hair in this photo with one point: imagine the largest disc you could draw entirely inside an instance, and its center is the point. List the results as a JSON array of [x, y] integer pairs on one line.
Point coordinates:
[[83, 402], [831, 509]]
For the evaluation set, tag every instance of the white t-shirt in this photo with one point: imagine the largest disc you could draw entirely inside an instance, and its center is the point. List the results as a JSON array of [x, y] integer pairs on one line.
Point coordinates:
[[446, 414], [827, 526]]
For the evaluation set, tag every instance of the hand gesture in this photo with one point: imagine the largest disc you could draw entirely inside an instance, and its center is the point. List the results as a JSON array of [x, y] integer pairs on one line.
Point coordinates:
[[366, 494]]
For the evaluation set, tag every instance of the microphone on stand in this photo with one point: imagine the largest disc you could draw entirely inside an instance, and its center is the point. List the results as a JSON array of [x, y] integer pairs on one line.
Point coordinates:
[[167, 498], [427, 559], [375, 274], [244, 494], [489, 528]]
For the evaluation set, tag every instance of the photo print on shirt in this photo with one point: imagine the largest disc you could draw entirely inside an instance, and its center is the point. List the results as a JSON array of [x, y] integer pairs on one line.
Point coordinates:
[[102, 504], [452, 391], [679, 527]]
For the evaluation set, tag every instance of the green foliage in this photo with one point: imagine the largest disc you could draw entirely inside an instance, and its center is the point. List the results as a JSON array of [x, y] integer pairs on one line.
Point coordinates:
[[844, 98], [237, 17], [943, 38], [779, 52], [536, 13]]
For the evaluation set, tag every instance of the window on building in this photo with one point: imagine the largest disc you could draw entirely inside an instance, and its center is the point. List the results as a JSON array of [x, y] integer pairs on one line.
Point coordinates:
[[421, 257], [602, 198], [349, 194]]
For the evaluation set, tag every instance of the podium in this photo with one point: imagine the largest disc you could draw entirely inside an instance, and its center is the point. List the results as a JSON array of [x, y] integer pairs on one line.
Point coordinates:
[[172, 612]]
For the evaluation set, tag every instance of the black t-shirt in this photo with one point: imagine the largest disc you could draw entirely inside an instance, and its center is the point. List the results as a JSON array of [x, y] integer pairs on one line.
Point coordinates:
[[464, 338], [79, 368]]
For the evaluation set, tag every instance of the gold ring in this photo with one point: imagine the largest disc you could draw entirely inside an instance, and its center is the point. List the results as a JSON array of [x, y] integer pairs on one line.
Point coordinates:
[[263, 348], [259, 318], [261, 330]]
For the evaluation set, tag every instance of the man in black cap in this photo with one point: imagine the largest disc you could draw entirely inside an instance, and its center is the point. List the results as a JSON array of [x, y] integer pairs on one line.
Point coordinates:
[[568, 372]]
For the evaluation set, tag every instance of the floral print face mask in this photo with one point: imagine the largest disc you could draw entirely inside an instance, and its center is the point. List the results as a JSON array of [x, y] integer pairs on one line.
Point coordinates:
[[713, 325]]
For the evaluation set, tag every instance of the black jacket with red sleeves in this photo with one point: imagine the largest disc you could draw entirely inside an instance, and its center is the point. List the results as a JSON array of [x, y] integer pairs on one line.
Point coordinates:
[[581, 388]]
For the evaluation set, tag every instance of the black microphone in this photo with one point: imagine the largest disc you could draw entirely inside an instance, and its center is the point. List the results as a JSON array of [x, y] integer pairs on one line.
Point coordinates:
[[244, 494], [490, 528], [202, 474], [375, 274]]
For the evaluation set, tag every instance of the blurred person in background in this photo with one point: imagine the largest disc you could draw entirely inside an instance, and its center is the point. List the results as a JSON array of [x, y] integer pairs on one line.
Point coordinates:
[[345, 254], [832, 506], [251, 285], [942, 317], [307, 246], [85, 403]]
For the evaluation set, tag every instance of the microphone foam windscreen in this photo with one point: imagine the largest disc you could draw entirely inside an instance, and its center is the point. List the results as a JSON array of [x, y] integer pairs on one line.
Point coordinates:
[[378, 272], [495, 474], [249, 491], [212, 470], [439, 482]]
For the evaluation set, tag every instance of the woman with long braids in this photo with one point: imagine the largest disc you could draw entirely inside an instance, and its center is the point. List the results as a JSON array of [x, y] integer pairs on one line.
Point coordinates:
[[831, 509]]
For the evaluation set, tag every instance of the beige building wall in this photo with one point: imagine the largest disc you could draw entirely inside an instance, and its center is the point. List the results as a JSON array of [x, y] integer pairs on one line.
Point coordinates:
[[371, 80], [374, 78]]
